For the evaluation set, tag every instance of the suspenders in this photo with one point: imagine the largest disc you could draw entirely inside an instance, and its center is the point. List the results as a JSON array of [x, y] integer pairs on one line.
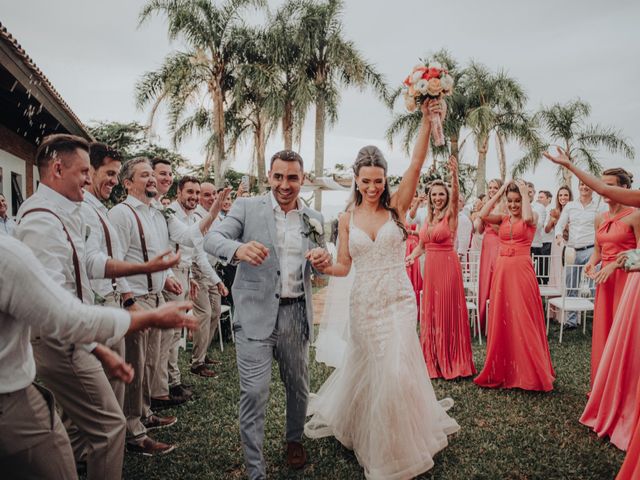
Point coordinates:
[[143, 244]]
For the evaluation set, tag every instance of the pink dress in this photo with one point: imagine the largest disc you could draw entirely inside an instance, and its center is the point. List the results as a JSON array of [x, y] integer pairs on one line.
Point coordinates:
[[611, 408], [614, 237], [444, 322], [488, 256], [517, 348], [414, 270]]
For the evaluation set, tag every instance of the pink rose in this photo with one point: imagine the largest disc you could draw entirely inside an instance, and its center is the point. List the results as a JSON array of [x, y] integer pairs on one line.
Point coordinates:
[[434, 87]]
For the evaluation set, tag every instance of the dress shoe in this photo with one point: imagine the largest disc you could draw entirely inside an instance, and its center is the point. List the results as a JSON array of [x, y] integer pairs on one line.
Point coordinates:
[[150, 447], [296, 455], [203, 371], [180, 391], [210, 361], [168, 402], [156, 421]]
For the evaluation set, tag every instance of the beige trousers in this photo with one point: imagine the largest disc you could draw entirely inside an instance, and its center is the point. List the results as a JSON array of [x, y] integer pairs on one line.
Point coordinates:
[[206, 310], [91, 413], [137, 353], [167, 373], [33, 444], [117, 385]]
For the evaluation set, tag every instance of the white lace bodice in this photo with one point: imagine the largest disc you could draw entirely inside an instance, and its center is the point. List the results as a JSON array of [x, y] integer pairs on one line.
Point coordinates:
[[387, 251]]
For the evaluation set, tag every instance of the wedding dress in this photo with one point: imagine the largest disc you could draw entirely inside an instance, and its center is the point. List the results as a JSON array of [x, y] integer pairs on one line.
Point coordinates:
[[380, 401]]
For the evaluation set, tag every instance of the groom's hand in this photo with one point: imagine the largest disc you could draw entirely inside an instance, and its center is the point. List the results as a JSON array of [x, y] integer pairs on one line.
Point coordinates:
[[252, 252], [320, 258]]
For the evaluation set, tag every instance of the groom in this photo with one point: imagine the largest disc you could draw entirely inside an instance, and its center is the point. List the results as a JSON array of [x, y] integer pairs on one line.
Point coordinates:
[[271, 237]]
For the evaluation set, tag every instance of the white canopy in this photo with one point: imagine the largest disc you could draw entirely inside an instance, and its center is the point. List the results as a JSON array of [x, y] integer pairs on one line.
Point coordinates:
[[323, 183]]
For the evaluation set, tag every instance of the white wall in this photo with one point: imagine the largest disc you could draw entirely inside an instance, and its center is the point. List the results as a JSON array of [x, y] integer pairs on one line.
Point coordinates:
[[10, 163]]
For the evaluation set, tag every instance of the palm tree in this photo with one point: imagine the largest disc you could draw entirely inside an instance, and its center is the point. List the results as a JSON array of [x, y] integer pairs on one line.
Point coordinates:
[[195, 83], [496, 107], [566, 126], [331, 61]]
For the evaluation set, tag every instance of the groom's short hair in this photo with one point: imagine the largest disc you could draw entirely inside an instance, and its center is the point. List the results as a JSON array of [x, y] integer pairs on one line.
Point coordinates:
[[287, 156]]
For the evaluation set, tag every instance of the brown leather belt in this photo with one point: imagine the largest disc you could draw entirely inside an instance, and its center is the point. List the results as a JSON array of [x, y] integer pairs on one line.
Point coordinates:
[[291, 301]]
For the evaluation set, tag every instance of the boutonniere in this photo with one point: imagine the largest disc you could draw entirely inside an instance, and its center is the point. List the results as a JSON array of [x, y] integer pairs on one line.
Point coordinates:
[[167, 212], [313, 230]]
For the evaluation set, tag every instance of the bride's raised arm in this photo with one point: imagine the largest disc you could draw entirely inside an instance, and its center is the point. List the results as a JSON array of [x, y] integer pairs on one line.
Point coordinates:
[[401, 199]]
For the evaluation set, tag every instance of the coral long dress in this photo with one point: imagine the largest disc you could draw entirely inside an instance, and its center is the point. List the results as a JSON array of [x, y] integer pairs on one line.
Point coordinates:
[[631, 467], [415, 275], [488, 256], [444, 321], [612, 404], [613, 236], [517, 349]]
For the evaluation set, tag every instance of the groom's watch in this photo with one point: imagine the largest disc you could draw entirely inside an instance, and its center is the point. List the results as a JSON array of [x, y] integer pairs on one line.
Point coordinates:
[[128, 302]]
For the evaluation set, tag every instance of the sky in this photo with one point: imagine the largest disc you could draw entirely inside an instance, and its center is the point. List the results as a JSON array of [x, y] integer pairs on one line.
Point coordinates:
[[94, 52]]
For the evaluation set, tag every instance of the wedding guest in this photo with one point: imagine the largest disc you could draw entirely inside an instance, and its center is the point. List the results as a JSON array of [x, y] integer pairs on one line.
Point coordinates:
[[612, 408], [52, 225], [195, 258], [563, 196], [517, 349], [617, 230], [274, 314], [536, 245], [465, 229], [580, 216], [630, 469], [444, 322], [544, 198], [34, 443], [488, 253], [7, 225], [413, 270], [165, 201]]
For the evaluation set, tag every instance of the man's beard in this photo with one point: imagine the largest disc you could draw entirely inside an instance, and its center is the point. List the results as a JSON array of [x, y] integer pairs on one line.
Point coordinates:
[[150, 194]]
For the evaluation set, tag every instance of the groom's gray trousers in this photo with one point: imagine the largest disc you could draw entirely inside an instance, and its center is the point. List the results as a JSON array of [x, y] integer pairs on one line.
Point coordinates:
[[289, 345]]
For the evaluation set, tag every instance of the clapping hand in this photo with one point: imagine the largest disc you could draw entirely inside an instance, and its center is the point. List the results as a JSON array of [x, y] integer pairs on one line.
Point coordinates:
[[172, 285], [254, 253], [561, 158], [114, 364], [194, 288], [220, 199], [174, 315], [164, 261], [320, 259]]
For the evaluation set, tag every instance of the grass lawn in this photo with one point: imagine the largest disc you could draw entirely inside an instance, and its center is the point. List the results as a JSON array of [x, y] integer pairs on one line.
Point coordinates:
[[504, 434]]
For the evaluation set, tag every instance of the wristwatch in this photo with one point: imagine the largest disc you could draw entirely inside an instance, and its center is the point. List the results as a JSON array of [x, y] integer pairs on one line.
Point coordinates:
[[128, 302]]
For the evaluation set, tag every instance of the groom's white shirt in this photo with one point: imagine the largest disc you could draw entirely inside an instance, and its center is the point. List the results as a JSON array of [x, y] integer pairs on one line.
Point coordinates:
[[289, 246]]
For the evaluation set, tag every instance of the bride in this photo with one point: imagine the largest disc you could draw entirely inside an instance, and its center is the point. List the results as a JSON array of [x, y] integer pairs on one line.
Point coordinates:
[[380, 401]]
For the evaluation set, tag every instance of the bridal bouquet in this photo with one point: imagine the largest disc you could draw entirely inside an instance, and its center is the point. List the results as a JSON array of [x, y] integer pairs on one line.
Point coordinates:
[[431, 81]]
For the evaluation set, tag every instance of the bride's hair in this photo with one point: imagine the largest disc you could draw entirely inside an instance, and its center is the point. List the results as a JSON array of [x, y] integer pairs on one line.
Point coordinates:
[[436, 183], [371, 156]]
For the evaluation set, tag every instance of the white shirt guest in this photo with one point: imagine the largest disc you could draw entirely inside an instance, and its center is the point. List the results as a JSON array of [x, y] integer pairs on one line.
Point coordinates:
[[7, 225], [581, 219]]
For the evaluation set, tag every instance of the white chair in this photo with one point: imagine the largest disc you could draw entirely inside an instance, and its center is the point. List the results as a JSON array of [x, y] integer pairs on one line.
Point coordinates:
[[577, 295], [470, 266], [548, 285], [226, 311]]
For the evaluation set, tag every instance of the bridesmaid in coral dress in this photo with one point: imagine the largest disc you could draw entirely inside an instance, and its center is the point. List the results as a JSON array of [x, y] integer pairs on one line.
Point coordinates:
[[444, 322], [517, 349], [488, 255], [613, 403], [615, 233], [631, 467], [414, 270]]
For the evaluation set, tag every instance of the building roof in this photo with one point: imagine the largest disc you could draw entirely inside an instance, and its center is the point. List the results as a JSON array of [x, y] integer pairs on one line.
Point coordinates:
[[37, 79]]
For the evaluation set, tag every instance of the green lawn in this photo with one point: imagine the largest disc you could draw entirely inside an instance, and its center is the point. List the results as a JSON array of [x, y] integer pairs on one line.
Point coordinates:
[[504, 434]]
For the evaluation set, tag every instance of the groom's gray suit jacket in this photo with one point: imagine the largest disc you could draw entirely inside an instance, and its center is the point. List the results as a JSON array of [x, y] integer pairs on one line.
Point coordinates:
[[256, 290]]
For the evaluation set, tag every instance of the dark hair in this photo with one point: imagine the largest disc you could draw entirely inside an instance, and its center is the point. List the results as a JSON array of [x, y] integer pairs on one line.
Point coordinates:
[[157, 160], [563, 187], [187, 179], [436, 183], [546, 193], [56, 144], [512, 187], [287, 156], [99, 151], [371, 156], [482, 196], [625, 179], [530, 185], [219, 189]]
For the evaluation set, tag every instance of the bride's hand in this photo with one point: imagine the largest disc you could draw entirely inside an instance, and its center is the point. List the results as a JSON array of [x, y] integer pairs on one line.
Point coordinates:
[[320, 259], [431, 107]]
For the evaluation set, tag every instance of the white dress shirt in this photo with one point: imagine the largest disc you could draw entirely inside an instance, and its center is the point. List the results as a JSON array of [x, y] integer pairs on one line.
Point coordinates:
[[581, 221], [289, 248], [30, 299], [547, 237], [465, 230], [539, 209], [202, 212], [7, 226], [196, 253], [92, 211], [43, 233]]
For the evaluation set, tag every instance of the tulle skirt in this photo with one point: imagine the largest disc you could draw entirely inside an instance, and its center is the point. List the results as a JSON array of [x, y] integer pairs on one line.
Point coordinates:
[[380, 402]]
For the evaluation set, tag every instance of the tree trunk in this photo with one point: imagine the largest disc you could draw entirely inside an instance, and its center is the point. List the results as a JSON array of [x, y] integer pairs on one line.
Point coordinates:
[[287, 125], [260, 146], [319, 146], [567, 176], [218, 128], [502, 160], [481, 173]]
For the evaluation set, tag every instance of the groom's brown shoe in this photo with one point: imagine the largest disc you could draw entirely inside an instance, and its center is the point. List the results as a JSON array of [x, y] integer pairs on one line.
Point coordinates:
[[296, 455]]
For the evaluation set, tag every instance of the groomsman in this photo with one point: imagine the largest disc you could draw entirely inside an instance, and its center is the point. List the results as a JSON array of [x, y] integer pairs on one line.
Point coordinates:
[[7, 225], [34, 443], [52, 225]]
